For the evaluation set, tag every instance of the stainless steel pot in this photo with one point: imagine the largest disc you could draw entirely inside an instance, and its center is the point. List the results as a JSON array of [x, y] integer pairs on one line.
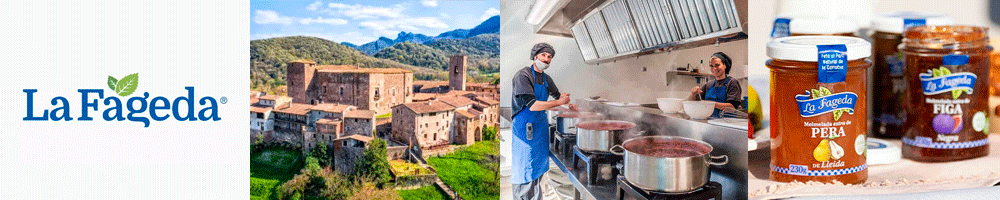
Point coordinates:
[[600, 135], [566, 121], [667, 163]]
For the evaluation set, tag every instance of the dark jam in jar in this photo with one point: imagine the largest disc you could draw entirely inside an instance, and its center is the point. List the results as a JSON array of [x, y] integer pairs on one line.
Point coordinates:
[[947, 71], [889, 85], [818, 115]]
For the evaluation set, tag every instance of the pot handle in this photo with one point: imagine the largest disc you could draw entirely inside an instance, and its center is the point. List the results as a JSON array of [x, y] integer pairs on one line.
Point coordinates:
[[612, 150], [725, 159]]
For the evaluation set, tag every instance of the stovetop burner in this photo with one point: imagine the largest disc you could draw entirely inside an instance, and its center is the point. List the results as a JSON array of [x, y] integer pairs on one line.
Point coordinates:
[[712, 190], [593, 162], [562, 144]]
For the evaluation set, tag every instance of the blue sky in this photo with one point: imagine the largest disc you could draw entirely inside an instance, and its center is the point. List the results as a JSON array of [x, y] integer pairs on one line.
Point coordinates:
[[361, 22]]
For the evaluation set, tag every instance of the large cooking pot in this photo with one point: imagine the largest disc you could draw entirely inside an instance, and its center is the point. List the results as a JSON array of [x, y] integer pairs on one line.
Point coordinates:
[[600, 135], [566, 121], [667, 163]]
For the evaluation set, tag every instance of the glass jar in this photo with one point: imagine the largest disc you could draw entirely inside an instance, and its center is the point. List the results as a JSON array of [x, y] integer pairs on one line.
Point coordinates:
[[818, 108], [888, 80], [947, 68]]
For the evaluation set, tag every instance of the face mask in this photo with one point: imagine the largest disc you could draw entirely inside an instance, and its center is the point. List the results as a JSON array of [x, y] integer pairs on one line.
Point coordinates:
[[541, 65]]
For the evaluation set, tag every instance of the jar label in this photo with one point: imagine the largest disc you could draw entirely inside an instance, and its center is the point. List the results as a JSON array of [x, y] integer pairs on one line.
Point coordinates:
[[832, 63], [941, 80], [907, 23], [821, 101], [780, 28]]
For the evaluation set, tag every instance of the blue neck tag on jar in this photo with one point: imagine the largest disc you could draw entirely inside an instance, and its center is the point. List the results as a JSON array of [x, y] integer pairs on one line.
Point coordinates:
[[907, 23], [832, 63], [780, 28]]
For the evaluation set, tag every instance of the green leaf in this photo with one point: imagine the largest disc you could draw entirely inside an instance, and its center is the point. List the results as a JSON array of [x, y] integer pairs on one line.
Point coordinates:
[[936, 72], [945, 71], [815, 93], [826, 92], [956, 93], [112, 83], [127, 85], [837, 114]]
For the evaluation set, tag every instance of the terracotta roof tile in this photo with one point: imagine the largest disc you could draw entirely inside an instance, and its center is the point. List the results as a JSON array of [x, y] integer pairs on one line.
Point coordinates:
[[362, 114], [356, 137], [428, 106], [332, 107], [457, 101], [295, 108]]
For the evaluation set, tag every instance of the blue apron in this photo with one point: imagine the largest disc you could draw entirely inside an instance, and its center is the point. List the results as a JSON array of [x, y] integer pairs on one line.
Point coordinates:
[[530, 150], [717, 94]]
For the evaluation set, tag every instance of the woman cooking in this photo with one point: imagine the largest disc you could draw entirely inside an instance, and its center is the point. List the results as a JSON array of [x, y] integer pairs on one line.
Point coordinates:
[[723, 89]]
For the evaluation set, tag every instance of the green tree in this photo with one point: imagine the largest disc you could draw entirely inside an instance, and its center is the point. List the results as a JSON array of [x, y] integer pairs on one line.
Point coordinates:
[[321, 153], [374, 164]]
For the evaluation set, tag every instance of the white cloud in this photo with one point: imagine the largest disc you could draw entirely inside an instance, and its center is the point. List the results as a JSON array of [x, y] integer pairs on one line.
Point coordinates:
[[270, 17], [358, 11], [409, 23], [445, 15], [320, 20], [489, 13], [314, 5], [429, 3]]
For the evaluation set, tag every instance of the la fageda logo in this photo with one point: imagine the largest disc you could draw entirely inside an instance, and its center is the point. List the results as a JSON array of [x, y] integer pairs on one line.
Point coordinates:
[[135, 108]]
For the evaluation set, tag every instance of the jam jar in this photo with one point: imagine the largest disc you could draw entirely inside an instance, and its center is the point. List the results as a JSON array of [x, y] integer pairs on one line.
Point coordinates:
[[811, 25], [888, 79], [818, 108], [947, 68]]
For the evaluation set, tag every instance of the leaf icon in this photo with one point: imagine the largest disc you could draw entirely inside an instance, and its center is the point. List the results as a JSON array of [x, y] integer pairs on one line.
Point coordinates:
[[816, 93], [826, 92], [112, 83], [127, 85], [837, 114], [945, 71]]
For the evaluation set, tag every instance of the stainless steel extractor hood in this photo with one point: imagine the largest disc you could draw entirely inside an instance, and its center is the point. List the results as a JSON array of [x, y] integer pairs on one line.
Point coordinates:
[[606, 30]]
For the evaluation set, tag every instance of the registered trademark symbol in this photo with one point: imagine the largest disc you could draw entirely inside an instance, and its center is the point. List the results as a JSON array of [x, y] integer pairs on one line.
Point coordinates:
[[223, 100]]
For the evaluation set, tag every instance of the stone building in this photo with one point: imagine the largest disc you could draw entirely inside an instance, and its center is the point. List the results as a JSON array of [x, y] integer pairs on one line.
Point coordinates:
[[456, 73], [376, 89], [426, 124], [291, 121], [359, 122], [347, 150]]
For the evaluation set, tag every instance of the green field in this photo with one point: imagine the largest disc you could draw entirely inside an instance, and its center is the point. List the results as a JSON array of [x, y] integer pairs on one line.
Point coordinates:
[[270, 168], [466, 171], [424, 193]]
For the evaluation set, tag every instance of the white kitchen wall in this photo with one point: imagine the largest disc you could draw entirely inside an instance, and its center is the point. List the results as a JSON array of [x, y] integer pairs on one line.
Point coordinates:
[[621, 80]]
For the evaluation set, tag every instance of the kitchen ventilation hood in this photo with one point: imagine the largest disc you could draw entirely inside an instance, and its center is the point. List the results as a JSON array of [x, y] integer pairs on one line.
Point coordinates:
[[606, 30]]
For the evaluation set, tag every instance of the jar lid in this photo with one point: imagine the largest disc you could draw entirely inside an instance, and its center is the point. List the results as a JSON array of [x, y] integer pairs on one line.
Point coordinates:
[[894, 22], [803, 48], [882, 152], [820, 25]]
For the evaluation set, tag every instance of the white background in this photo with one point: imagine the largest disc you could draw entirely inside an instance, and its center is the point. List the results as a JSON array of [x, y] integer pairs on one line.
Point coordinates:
[[59, 47]]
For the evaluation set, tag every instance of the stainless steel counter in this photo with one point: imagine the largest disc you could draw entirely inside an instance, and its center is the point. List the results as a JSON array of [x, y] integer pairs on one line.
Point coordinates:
[[651, 121]]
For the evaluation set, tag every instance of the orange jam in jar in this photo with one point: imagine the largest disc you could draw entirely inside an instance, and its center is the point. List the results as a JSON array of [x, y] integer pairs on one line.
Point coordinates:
[[889, 84], [947, 68], [818, 108]]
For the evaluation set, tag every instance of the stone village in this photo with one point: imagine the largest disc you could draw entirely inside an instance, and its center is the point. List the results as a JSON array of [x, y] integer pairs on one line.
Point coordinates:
[[345, 107]]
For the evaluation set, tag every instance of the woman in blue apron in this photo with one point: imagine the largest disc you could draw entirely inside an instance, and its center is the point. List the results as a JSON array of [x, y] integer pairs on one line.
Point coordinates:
[[723, 89], [530, 150]]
